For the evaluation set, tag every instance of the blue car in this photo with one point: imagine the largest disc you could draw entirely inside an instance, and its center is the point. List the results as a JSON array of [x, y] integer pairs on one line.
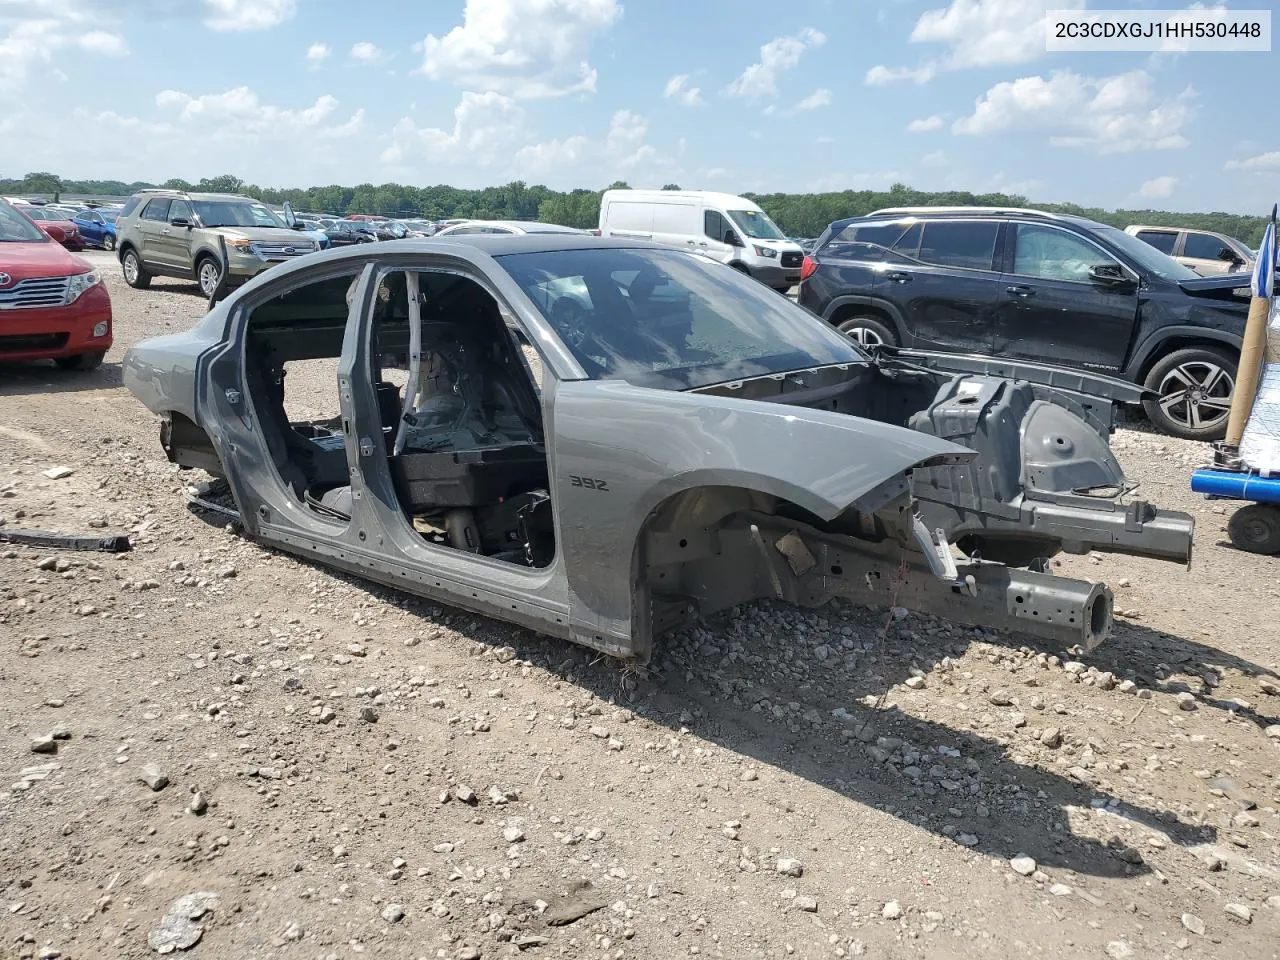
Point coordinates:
[[98, 227]]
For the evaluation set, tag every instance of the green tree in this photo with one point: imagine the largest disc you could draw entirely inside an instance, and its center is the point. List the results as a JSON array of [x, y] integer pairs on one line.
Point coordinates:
[[224, 183], [176, 183], [41, 182], [671, 186]]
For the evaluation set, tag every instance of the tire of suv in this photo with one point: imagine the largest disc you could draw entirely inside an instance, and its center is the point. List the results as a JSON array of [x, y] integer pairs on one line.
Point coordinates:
[[1193, 389], [134, 275], [208, 274], [868, 331], [81, 361]]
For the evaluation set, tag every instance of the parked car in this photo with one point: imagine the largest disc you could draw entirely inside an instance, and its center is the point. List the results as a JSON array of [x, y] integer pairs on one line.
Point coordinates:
[[711, 443], [421, 228], [730, 229], [1023, 284], [465, 228], [56, 224], [53, 306], [97, 227], [344, 233], [174, 233], [1203, 251]]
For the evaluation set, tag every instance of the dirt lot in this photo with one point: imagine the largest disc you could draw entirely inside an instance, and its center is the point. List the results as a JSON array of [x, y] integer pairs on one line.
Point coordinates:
[[356, 773]]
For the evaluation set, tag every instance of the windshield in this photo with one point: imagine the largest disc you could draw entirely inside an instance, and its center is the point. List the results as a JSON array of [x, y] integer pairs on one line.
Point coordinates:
[[15, 228], [1145, 255], [668, 319], [1242, 249], [232, 213], [756, 225]]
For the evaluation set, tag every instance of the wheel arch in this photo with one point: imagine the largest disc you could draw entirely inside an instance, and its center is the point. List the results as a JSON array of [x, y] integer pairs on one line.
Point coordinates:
[[841, 308], [680, 528], [1177, 338]]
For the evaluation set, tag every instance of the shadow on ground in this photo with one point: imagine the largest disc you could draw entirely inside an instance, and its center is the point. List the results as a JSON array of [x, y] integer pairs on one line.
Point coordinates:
[[773, 698]]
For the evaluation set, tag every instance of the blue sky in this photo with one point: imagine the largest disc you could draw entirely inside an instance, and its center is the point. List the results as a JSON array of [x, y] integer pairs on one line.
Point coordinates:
[[736, 95]]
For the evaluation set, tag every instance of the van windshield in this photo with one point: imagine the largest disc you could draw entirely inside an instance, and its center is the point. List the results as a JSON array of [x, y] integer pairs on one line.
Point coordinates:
[[756, 225]]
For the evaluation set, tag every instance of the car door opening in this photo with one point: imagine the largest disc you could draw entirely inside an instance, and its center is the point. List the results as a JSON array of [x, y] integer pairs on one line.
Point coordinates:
[[464, 433]]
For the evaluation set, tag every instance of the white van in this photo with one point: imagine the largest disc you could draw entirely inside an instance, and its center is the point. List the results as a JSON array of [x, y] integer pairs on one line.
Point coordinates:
[[731, 229]]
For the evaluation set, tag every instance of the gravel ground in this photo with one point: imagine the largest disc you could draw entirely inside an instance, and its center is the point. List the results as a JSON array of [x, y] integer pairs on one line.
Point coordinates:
[[206, 739]]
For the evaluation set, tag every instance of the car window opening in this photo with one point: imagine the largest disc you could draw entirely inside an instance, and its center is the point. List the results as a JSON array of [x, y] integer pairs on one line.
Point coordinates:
[[299, 335]]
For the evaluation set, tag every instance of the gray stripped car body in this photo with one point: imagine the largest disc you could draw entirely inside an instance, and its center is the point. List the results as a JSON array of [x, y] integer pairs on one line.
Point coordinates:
[[699, 487]]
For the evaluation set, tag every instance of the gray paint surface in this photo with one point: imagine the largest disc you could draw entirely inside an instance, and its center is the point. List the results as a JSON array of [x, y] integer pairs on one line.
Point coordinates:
[[652, 446]]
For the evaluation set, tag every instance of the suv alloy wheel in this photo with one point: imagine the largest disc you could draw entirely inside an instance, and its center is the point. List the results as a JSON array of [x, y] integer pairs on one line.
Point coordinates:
[[1194, 388]]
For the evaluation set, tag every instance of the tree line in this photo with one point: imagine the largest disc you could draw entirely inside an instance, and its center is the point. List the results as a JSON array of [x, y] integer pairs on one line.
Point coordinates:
[[798, 214]]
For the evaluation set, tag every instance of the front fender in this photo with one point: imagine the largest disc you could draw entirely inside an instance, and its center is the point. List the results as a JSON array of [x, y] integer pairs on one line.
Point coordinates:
[[619, 451]]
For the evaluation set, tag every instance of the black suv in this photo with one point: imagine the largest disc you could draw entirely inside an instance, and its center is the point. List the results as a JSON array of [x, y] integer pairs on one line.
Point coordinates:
[[1037, 286]]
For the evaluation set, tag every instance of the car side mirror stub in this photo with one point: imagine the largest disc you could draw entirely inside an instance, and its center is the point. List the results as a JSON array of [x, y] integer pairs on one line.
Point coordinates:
[[1109, 274]]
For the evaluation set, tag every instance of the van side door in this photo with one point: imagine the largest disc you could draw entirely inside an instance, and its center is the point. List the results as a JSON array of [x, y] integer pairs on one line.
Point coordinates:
[[677, 223]]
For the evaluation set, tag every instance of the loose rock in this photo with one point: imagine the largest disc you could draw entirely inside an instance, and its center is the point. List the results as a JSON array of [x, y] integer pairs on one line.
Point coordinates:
[[153, 776], [1023, 865]]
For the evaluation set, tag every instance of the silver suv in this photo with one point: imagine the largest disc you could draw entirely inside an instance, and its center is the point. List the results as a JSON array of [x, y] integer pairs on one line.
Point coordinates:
[[172, 233]]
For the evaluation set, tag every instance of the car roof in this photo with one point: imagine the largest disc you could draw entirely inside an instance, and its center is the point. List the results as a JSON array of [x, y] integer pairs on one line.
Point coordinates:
[[962, 213], [527, 226]]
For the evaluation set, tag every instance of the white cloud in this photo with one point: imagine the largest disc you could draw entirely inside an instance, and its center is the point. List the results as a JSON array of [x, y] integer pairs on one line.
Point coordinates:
[[936, 159], [1158, 188], [760, 80], [318, 53], [525, 49], [248, 14], [32, 45], [239, 112], [926, 124], [485, 127], [977, 33], [232, 131], [622, 151], [365, 52], [1116, 114], [819, 98], [824, 139], [107, 44], [879, 76], [1263, 162], [678, 88]]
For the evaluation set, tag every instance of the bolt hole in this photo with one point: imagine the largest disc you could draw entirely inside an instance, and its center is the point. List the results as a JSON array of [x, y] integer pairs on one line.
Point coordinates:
[[836, 569], [684, 543], [1018, 599]]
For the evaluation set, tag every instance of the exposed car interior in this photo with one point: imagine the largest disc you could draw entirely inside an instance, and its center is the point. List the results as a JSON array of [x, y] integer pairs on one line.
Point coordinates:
[[460, 412]]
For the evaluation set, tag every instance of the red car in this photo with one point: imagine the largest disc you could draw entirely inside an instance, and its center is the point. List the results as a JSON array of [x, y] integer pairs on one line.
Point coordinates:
[[56, 225], [53, 306]]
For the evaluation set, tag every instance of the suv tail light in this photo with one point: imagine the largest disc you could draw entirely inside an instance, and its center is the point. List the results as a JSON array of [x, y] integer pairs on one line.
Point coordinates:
[[807, 266]]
